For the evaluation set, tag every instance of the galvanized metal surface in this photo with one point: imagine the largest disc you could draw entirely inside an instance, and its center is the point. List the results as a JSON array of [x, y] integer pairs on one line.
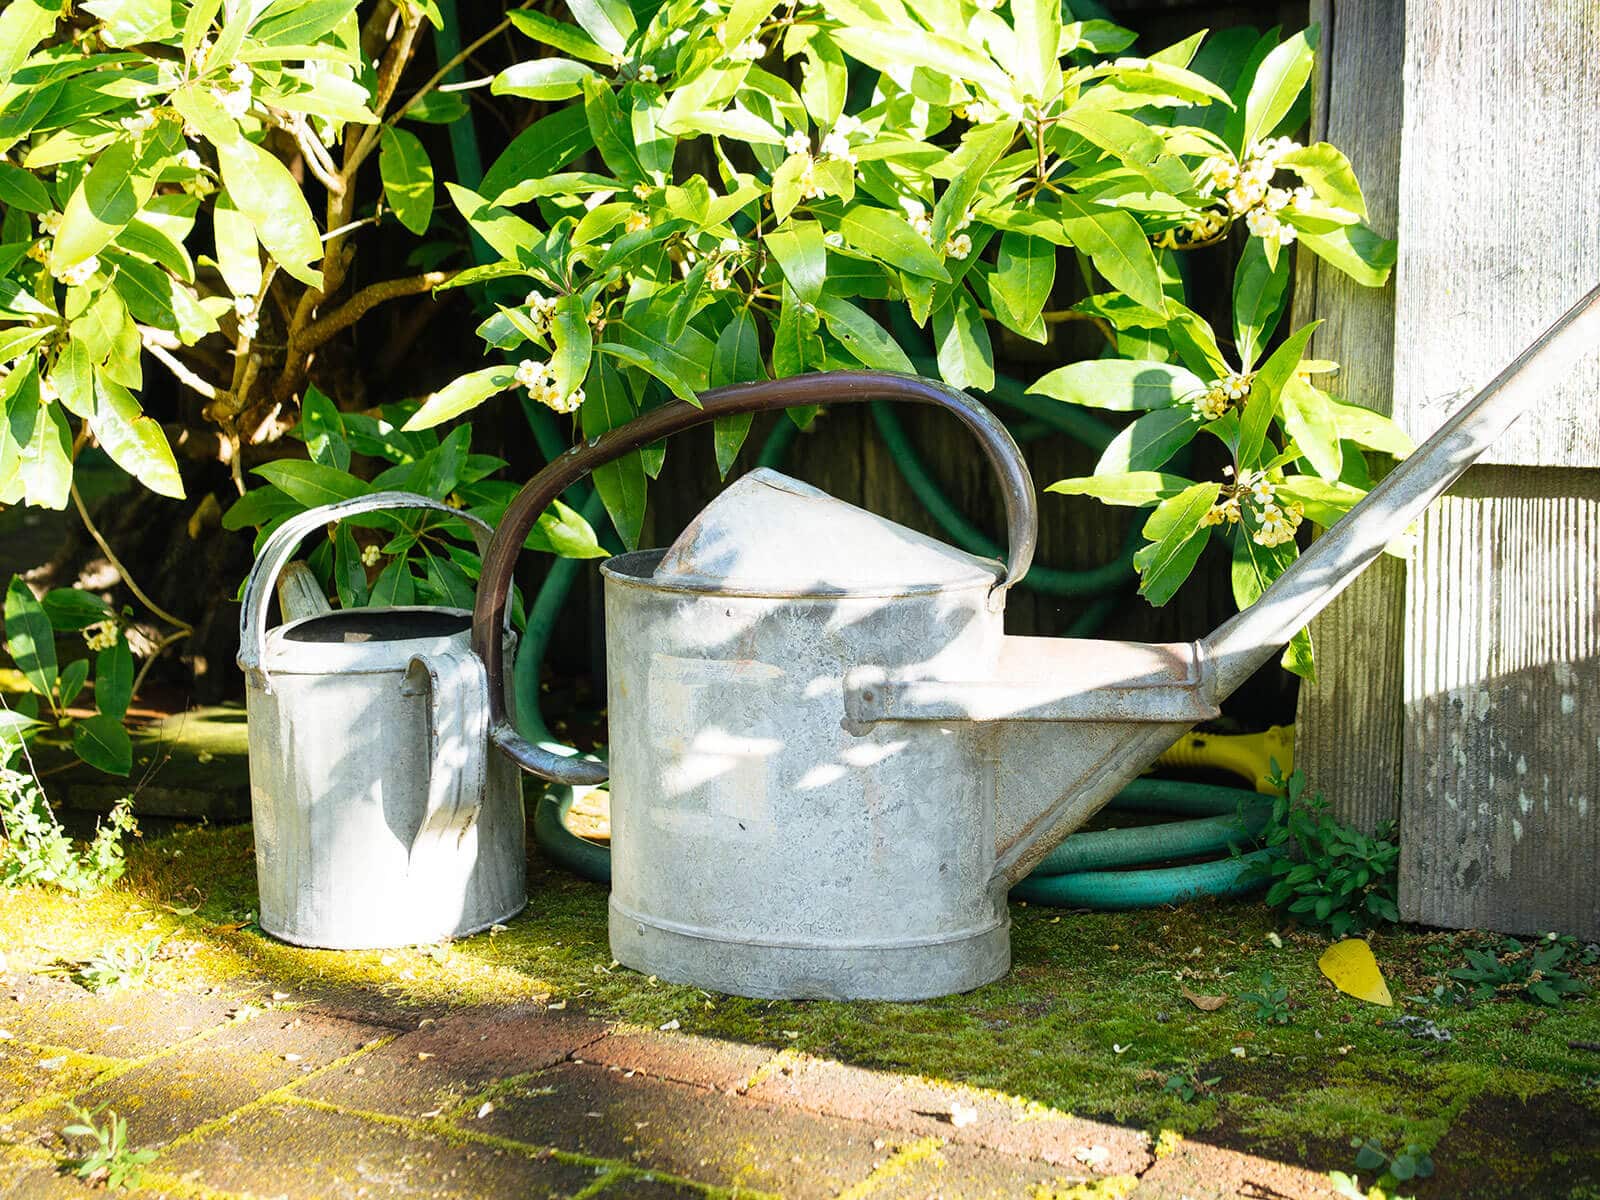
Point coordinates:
[[824, 786], [381, 818]]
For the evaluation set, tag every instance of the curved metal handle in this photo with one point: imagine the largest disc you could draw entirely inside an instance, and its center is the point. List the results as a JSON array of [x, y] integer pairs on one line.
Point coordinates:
[[835, 387], [458, 724], [286, 539]]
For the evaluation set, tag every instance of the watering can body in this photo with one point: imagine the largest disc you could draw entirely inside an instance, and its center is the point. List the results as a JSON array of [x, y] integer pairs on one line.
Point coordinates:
[[381, 817], [829, 763]]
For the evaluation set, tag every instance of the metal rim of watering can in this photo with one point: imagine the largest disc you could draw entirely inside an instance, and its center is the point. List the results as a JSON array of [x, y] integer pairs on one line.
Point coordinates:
[[835, 387], [285, 540]]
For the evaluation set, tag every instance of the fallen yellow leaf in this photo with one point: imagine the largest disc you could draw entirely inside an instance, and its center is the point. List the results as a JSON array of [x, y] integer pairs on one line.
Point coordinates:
[[1203, 1003], [1355, 972]]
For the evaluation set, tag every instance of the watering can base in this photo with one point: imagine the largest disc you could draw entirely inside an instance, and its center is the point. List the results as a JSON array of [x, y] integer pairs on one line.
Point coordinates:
[[764, 971], [409, 934]]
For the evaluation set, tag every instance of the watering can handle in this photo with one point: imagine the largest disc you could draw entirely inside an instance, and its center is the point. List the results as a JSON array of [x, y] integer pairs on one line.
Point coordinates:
[[286, 539], [835, 387]]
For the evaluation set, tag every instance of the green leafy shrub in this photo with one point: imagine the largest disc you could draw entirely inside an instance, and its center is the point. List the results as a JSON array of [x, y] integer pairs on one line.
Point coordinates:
[[707, 193], [34, 849], [1327, 874], [1540, 971]]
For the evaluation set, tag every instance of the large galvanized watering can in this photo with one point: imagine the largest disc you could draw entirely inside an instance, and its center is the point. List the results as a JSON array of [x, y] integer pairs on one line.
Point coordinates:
[[381, 817], [829, 763]]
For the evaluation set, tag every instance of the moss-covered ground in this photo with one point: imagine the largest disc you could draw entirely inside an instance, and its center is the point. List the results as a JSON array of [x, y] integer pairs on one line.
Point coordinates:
[[1092, 1019]]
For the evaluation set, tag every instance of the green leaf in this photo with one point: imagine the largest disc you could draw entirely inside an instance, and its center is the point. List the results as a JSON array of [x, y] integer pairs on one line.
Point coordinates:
[[687, 357], [45, 454], [541, 149], [1308, 419], [260, 187], [1178, 537], [1118, 247], [609, 22], [461, 395], [323, 430], [1149, 442], [1121, 384], [101, 205], [349, 573], [103, 743], [1038, 37], [1135, 489], [407, 178], [1324, 501], [1328, 173], [30, 640], [966, 356], [621, 482], [1371, 430], [980, 148], [113, 678], [887, 236], [1354, 249], [237, 256], [394, 586], [801, 256], [258, 507], [543, 79], [1277, 84], [20, 190], [300, 22], [895, 47], [1023, 276], [611, 131], [568, 39], [1258, 291], [135, 442], [863, 336], [72, 608], [1265, 392], [574, 342], [737, 360], [311, 484], [23, 25]]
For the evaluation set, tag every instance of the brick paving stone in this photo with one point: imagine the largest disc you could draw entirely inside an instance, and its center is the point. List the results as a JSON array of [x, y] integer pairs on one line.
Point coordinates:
[[1196, 1171], [647, 1187], [173, 1094], [957, 1172], [296, 1151], [682, 1058], [40, 1183], [683, 1130], [452, 1058], [28, 1074], [123, 1024], [924, 1108]]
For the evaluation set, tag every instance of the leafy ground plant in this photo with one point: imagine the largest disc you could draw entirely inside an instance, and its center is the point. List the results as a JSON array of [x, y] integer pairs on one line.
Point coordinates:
[[1327, 874], [1271, 1001], [110, 1161], [1540, 971], [1186, 1085], [36, 850], [124, 965]]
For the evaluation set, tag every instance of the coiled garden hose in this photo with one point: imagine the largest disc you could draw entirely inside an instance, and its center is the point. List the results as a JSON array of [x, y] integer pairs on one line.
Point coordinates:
[[1118, 891]]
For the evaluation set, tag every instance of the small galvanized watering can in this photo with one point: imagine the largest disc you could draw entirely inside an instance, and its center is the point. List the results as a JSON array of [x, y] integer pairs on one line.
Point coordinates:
[[829, 763], [381, 818]]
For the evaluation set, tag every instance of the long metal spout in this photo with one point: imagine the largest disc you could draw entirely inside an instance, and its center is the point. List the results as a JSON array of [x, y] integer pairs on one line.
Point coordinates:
[[1245, 642]]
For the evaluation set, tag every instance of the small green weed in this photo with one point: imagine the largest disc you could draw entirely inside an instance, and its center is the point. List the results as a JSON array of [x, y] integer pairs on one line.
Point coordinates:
[[110, 1161], [1538, 971], [34, 849], [1413, 1162], [1272, 1001], [1327, 874], [1186, 1085], [127, 965]]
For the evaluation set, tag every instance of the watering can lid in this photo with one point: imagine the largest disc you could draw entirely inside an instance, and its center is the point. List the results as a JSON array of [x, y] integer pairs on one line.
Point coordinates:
[[768, 534]]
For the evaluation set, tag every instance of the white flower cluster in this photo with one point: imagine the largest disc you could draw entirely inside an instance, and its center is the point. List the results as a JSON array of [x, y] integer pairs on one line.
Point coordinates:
[[541, 385], [49, 222], [244, 308], [835, 144], [647, 74], [748, 50], [1221, 395], [1203, 228], [541, 309], [956, 245], [235, 101], [102, 635], [637, 221], [370, 556], [139, 122], [1276, 523], [1247, 188]]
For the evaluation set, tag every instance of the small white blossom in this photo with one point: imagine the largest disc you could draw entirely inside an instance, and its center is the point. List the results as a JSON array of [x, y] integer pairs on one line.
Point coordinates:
[[647, 74], [730, 245], [636, 221], [241, 75], [190, 160], [987, 5], [748, 50], [833, 238], [797, 142], [102, 635], [79, 273], [235, 104], [139, 121], [836, 145], [550, 396], [49, 222], [532, 375], [541, 309], [958, 246], [643, 191], [370, 556]]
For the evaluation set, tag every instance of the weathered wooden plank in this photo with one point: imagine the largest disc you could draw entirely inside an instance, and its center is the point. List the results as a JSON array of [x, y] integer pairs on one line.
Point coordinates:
[[1347, 730], [1500, 215], [1501, 825]]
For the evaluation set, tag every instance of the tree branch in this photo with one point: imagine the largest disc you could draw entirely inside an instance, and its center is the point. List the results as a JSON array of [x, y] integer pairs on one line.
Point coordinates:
[[353, 309]]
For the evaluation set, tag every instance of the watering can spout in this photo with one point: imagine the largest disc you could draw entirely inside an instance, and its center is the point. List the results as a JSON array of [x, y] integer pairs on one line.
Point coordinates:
[[1246, 642]]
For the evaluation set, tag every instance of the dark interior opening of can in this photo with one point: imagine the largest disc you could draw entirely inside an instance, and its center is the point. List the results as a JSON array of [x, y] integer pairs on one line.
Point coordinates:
[[377, 625]]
